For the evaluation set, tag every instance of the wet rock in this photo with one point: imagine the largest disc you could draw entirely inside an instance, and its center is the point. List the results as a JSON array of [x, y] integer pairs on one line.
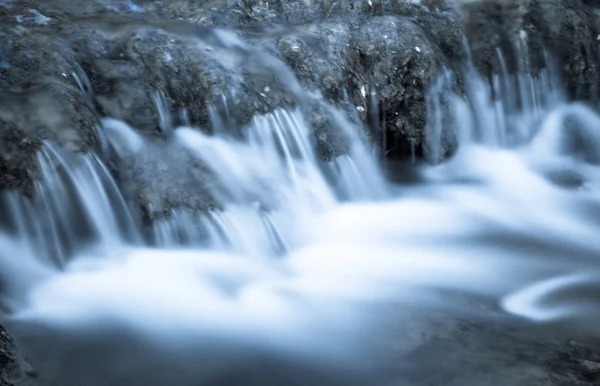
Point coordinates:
[[160, 182], [157, 175], [319, 58], [393, 55], [8, 360], [525, 31], [330, 129], [576, 362], [570, 30], [17, 160], [589, 367], [30, 12], [40, 101], [209, 75], [193, 74], [54, 112], [354, 53], [120, 91]]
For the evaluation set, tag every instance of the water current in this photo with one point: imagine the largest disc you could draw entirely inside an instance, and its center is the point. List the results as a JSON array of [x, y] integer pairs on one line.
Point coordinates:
[[297, 257]]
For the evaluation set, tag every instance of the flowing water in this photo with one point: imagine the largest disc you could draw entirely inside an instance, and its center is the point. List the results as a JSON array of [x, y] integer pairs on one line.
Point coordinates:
[[296, 257]]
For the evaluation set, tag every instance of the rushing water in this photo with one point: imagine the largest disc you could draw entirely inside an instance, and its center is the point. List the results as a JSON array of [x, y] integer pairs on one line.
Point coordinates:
[[296, 254]]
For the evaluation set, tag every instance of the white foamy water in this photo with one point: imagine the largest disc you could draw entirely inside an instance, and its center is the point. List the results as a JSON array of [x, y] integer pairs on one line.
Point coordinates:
[[296, 251]]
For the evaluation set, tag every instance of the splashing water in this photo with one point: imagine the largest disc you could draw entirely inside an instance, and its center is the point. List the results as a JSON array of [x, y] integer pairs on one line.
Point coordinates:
[[295, 251]]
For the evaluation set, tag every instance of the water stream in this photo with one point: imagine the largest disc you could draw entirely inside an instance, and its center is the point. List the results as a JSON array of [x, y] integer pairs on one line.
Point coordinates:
[[295, 254]]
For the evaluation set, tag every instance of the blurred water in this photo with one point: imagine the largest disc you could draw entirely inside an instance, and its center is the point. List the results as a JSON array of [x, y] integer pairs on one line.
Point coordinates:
[[295, 251]]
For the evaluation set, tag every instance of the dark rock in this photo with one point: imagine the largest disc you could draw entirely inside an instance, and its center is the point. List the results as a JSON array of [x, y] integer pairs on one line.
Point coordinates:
[[54, 112], [525, 31], [17, 161], [394, 55], [330, 130], [570, 30], [319, 58], [193, 73], [9, 369], [40, 100]]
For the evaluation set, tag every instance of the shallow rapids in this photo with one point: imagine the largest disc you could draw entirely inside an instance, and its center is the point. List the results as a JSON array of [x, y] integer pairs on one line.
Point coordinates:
[[296, 254]]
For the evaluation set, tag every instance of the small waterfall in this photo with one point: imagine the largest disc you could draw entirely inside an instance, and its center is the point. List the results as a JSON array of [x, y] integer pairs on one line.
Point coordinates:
[[163, 110], [504, 113], [76, 202], [274, 165], [290, 252]]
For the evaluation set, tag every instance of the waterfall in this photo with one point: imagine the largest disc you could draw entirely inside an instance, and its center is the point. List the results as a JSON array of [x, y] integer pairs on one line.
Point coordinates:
[[288, 254]]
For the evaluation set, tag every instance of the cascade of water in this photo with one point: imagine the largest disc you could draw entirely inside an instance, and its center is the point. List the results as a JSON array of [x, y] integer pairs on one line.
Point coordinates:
[[519, 135], [76, 202], [163, 110], [275, 165], [503, 113], [339, 236]]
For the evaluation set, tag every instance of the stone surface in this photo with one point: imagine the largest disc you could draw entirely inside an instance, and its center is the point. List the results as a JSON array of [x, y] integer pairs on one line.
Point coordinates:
[[527, 30], [8, 361]]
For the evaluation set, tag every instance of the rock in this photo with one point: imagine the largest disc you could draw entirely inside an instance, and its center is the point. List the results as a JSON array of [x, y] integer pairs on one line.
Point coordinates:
[[393, 55], [193, 73], [525, 30], [330, 129], [55, 112], [591, 367], [158, 176], [40, 100], [359, 49], [570, 30], [340, 52], [8, 361], [577, 363], [320, 57]]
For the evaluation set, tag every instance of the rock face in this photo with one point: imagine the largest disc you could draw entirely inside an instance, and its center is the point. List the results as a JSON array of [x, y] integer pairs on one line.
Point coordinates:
[[526, 30]]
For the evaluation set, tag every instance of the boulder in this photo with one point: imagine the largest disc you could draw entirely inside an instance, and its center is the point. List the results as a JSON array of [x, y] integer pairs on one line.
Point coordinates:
[[40, 100]]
